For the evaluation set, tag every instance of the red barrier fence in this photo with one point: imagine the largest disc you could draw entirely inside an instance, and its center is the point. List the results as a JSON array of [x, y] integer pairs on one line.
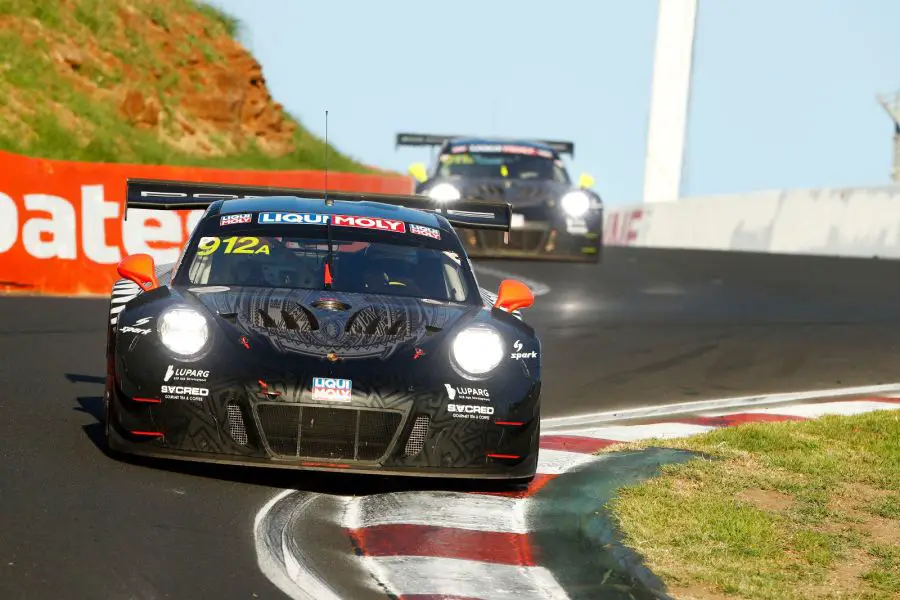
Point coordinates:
[[61, 227]]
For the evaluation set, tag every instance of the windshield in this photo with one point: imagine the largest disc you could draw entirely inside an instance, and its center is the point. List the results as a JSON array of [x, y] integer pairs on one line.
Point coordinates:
[[501, 165], [412, 264]]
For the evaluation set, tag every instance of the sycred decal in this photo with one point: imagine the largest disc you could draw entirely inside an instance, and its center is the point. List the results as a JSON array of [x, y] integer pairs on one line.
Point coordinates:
[[329, 389], [470, 411], [184, 392], [519, 355]]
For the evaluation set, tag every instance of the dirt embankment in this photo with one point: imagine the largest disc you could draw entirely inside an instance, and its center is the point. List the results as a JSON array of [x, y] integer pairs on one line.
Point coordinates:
[[140, 81]]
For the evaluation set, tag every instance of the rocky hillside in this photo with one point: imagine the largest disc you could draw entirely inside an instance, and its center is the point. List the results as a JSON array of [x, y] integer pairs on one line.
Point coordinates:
[[147, 81]]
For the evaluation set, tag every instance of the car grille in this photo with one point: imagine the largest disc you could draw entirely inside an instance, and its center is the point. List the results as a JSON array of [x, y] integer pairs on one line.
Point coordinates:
[[527, 241], [235, 423], [297, 431], [416, 440]]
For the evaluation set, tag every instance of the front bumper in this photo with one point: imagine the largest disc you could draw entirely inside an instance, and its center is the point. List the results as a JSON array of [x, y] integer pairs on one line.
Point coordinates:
[[410, 439], [536, 234], [547, 243]]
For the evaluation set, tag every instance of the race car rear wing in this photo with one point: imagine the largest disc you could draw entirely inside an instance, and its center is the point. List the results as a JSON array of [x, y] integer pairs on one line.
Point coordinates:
[[431, 139], [157, 194]]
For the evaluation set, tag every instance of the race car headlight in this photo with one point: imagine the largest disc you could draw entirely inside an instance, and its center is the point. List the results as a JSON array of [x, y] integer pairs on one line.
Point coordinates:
[[184, 331], [444, 192], [575, 204], [477, 350]]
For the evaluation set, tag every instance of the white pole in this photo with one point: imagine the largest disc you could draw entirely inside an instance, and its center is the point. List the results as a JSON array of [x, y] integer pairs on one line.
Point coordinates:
[[669, 100]]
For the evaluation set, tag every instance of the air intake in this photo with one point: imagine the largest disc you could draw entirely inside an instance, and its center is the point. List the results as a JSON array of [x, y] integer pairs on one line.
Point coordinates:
[[310, 431], [416, 440], [235, 423]]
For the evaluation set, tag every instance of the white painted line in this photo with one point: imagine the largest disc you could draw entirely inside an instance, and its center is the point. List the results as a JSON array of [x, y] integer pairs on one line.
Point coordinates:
[[537, 288], [707, 405], [282, 567], [411, 575], [285, 564], [555, 462], [457, 510], [634, 433], [812, 411]]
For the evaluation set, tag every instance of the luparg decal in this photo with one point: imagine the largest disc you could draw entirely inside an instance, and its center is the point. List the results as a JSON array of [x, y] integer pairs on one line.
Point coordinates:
[[460, 392]]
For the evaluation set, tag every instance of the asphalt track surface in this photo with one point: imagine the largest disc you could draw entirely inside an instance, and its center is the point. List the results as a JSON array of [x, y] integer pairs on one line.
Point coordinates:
[[646, 327]]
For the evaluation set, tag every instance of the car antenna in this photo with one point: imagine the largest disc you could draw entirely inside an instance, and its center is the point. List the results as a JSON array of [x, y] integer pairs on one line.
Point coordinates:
[[328, 202]]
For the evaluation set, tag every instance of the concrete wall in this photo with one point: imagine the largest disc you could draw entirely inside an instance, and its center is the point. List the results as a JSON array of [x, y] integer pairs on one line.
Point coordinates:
[[859, 222]]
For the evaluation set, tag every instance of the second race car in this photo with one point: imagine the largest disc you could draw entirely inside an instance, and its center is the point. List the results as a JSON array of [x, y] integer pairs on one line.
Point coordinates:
[[553, 217]]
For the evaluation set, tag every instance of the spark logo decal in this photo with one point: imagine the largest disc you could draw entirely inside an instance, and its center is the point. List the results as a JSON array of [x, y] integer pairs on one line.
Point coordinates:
[[134, 327], [519, 355]]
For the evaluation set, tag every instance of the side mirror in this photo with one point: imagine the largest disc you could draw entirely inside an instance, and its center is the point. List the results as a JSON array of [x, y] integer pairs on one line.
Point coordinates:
[[419, 171], [513, 295], [140, 269], [585, 181]]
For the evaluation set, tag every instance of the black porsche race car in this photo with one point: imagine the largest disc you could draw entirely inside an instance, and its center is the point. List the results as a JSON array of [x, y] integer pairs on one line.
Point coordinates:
[[553, 217], [335, 332]]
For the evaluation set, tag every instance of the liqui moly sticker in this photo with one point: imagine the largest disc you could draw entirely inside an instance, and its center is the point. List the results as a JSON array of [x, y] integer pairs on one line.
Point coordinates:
[[329, 389], [276, 218], [426, 231], [369, 223], [378, 223], [235, 219]]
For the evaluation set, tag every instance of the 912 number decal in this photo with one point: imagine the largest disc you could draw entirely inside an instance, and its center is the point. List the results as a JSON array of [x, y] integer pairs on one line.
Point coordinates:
[[232, 245]]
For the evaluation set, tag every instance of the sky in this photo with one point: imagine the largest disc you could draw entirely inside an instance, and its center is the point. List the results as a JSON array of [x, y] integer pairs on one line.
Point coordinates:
[[783, 94]]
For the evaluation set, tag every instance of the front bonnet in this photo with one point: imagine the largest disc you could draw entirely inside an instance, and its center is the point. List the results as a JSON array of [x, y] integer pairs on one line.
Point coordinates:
[[314, 323], [519, 194]]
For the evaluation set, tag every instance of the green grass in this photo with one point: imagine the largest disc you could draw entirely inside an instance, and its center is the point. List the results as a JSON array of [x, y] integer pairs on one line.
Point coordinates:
[[51, 111], [226, 22], [775, 511]]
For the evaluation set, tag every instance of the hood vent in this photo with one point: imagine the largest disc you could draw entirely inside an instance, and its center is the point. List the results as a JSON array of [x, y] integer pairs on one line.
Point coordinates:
[[377, 321], [294, 318]]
